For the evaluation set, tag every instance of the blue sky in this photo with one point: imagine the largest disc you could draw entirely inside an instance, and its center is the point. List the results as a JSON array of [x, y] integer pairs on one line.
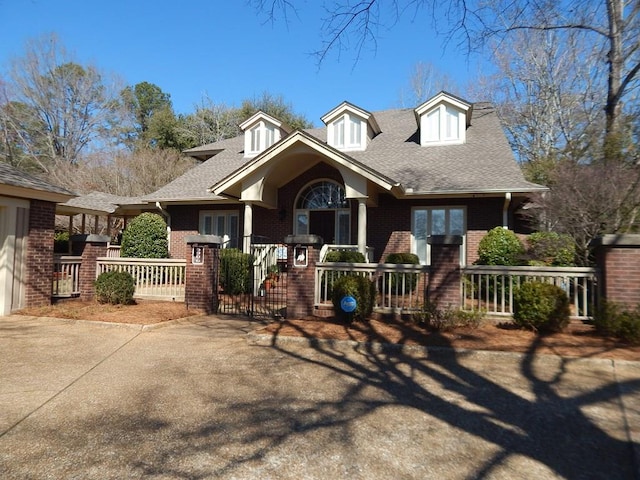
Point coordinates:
[[228, 51]]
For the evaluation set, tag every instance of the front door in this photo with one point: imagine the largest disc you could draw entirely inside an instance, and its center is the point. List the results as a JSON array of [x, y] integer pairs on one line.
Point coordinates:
[[323, 223]]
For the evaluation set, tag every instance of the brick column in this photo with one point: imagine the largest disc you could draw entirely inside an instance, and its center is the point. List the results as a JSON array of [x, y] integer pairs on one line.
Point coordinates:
[[39, 263], [444, 274], [203, 262], [618, 259], [301, 274], [89, 247]]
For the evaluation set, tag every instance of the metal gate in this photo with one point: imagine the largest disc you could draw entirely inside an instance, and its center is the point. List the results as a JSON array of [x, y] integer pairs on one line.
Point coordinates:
[[255, 283]]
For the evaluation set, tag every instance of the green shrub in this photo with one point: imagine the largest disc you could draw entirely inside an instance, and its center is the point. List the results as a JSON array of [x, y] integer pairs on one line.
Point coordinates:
[[541, 306], [613, 320], [403, 282], [236, 271], [115, 288], [500, 247], [345, 256], [446, 319], [360, 288], [145, 237], [61, 242], [551, 248]]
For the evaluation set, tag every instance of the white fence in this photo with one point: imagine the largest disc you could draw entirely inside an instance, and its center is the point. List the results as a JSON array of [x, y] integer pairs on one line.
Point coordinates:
[[490, 288], [401, 288], [66, 276], [159, 279]]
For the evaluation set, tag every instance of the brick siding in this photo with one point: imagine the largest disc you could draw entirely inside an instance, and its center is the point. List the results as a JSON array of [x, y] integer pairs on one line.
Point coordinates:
[[39, 268]]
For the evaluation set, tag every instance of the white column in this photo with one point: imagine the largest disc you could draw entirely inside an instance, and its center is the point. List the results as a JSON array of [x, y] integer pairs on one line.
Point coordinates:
[[362, 226], [248, 227]]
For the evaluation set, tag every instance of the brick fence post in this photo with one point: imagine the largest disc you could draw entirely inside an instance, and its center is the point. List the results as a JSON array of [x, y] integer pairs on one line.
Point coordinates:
[[444, 274], [618, 259], [90, 248], [39, 265], [303, 254], [201, 277]]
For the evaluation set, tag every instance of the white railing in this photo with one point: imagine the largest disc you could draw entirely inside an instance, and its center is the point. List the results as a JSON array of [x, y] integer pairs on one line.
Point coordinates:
[[113, 251], [326, 248], [155, 278], [266, 257], [400, 288], [66, 276], [490, 288]]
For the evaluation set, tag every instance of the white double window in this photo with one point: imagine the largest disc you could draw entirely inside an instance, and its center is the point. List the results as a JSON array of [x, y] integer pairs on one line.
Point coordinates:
[[223, 223], [426, 221], [347, 133], [443, 124], [261, 137]]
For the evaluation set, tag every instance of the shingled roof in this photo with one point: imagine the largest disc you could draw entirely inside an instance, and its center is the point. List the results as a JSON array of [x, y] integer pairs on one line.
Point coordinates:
[[483, 164], [24, 185]]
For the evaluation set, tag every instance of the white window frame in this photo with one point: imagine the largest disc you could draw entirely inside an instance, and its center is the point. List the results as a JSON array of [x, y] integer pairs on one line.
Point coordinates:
[[260, 137], [347, 132], [215, 215], [425, 256], [443, 125]]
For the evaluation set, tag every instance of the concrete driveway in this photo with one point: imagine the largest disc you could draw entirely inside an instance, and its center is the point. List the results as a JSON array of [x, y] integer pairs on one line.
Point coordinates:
[[201, 399]]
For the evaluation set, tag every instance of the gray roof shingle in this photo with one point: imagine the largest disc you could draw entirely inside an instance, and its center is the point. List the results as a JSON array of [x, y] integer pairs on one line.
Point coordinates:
[[485, 163], [10, 175]]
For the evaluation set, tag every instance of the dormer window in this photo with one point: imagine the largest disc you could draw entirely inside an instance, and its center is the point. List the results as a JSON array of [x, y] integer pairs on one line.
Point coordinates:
[[349, 128], [260, 132], [443, 120]]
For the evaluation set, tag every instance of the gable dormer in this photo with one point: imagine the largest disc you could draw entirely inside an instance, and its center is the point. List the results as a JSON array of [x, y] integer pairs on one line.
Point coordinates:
[[261, 131], [443, 120], [350, 127]]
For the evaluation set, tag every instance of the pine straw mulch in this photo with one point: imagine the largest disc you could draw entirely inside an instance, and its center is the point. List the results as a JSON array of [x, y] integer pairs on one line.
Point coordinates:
[[579, 340]]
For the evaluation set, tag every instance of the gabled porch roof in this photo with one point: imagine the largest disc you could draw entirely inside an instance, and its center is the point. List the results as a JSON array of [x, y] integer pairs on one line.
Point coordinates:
[[289, 158]]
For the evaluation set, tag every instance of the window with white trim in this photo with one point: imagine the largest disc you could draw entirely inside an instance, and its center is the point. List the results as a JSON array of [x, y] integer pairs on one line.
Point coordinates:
[[436, 221], [346, 133], [262, 136], [444, 124], [224, 223]]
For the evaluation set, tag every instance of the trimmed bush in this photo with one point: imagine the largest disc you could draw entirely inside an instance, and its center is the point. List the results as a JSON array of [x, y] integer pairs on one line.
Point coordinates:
[[236, 271], [345, 256], [447, 319], [360, 288], [551, 248], [145, 237], [541, 307], [114, 287], [613, 320], [500, 247], [410, 280]]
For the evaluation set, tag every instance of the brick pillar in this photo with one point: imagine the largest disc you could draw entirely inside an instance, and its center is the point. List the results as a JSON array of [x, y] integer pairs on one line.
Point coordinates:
[[203, 260], [301, 274], [618, 259], [90, 248], [39, 264], [444, 274]]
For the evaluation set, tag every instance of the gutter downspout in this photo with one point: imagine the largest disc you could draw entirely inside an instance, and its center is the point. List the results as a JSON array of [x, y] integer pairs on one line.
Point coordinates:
[[505, 210], [167, 217]]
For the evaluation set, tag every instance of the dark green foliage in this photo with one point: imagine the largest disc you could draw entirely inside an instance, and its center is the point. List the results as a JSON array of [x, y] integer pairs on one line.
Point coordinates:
[[360, 288], [345, 256], [145, 237], [500, 247], [115, 288], [61, 242], [541, 306], [236, 271], [403, 282], [551, 248], [614, 320], [446, 319]]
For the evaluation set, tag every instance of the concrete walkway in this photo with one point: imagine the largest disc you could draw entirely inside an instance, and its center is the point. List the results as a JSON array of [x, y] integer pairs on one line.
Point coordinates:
[[200, 399]]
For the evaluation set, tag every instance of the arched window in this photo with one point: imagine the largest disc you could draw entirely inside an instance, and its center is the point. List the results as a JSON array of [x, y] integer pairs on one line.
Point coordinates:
[[322, 209]]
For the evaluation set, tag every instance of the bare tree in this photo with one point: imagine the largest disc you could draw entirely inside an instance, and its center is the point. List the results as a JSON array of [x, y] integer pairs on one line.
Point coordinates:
[[424, 82], [55, 107]]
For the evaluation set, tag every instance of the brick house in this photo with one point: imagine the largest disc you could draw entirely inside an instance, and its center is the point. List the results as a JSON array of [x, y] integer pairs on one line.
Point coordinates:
[[382, 181], [27, 221]]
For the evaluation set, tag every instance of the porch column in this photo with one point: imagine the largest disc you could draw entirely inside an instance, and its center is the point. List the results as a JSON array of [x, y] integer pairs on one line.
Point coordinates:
[[248, 227], [362, 226]]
